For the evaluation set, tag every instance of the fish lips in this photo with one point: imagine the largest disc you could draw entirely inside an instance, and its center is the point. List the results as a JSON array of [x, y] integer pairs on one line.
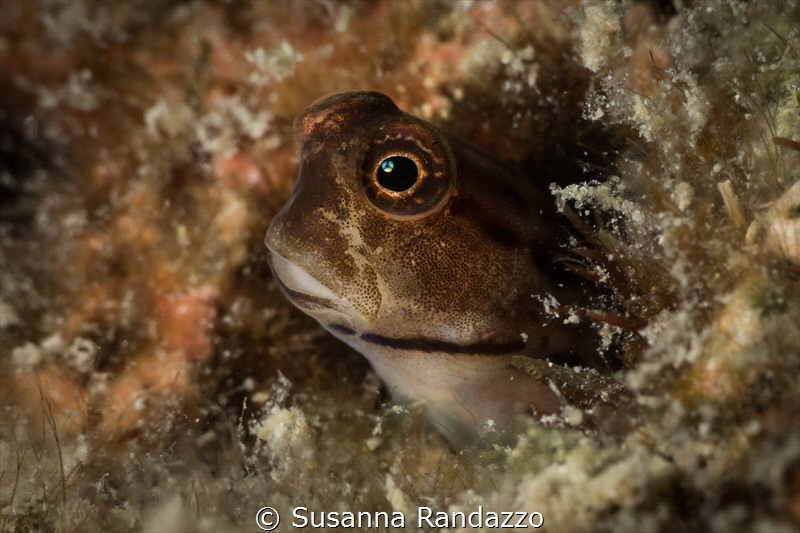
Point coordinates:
[[308, 293]]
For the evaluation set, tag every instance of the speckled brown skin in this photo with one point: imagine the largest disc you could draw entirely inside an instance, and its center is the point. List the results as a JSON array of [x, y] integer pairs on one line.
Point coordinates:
[[436, 285]]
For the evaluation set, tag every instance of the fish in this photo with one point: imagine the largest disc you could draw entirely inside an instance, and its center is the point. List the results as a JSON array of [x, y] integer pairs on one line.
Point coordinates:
[[430, 257]]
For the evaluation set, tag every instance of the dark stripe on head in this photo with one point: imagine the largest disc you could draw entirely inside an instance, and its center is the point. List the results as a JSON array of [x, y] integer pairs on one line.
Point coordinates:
[[434, 345]]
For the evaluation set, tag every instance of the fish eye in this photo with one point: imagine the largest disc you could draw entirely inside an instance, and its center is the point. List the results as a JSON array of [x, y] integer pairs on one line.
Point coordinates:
[[397, 173], [408, 170]]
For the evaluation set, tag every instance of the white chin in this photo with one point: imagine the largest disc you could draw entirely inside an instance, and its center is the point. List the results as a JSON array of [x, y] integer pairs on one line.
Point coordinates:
[[297, 279]]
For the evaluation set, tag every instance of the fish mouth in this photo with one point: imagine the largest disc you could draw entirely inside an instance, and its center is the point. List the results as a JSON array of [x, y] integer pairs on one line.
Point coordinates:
[[297, 281], [307, 292]]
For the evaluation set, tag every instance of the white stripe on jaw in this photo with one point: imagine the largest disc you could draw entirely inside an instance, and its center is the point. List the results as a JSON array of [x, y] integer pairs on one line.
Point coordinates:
[[297, 279]]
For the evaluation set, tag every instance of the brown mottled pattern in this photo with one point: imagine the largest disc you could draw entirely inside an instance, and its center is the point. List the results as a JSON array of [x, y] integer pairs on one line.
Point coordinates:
[[471, 259], [445, 267]]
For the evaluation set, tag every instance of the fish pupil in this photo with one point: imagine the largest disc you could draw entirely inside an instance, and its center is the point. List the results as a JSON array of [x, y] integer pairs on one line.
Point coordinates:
[[397, 173]]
